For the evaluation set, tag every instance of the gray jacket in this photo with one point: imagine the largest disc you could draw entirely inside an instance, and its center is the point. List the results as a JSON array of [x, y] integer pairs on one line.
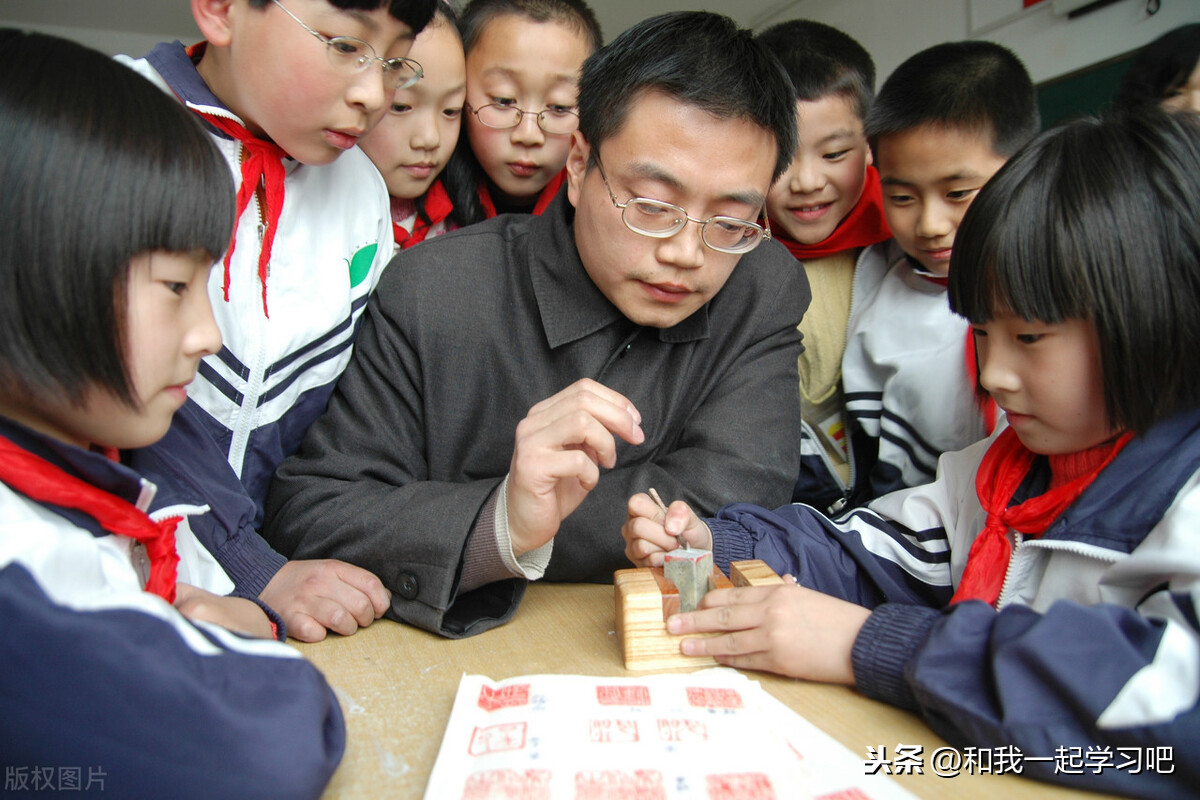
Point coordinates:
[[463, 335]]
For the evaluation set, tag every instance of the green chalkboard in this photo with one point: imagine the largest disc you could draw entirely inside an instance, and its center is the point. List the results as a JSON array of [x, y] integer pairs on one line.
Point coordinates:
[[1086, 91]]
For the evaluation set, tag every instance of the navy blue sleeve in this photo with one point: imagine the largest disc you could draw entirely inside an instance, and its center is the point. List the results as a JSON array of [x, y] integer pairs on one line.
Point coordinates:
[[121, 693], [1092, 680], [861, 557], [189, 469]]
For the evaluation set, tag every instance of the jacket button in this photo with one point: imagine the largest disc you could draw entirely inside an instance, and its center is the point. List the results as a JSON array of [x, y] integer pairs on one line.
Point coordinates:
[[407, 586]]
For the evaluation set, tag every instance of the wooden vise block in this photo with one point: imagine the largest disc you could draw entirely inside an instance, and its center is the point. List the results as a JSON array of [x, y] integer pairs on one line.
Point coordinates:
[[644, 600]]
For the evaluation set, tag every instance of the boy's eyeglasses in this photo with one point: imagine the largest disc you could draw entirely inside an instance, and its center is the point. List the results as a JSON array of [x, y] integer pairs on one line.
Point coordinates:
[[351, 56], [558, 121], [662, 220]]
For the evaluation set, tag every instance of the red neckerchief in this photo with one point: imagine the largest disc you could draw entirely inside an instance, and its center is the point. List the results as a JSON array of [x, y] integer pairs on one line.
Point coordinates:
[[40, 480], [547, 194], [865, 225], [261, 161], [1004, 467], [437, 207]]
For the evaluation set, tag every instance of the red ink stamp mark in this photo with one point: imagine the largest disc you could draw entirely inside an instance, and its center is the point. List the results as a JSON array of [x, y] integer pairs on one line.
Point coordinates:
[[497, 784], [623, 695], [740, 786], [682, 730], [505, 697], [640, 784], [497, 738], [714, 698], [613, 731]]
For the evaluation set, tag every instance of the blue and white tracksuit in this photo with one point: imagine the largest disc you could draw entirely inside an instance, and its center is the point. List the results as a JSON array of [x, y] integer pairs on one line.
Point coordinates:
[[1093, 643], [273, 375], [100, 676], [908, 397]]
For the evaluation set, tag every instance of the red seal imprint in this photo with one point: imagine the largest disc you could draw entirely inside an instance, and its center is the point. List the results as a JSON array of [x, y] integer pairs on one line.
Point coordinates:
[[740, 786], [623, 695], [714, 698], [640, 784], [505, 697], [531, 784], [613, 731], [497, 739], [682, 730]]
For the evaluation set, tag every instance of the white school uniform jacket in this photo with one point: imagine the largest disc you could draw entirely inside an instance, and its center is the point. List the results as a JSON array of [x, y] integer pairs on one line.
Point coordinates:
[[908, 395], [274, 374], [100, 676], [1093, 647]]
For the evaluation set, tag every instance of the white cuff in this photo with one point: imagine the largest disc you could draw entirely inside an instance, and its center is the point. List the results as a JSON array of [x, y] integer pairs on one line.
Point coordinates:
[[531, 565]]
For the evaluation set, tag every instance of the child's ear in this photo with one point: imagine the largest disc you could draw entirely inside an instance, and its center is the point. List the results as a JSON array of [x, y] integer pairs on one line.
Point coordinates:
[[577, 163], [213, 19]]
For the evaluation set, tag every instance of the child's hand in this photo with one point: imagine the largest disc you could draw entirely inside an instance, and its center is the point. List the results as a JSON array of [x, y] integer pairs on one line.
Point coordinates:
[[314, 595], [786, 629], [234, 613], [648, 535]]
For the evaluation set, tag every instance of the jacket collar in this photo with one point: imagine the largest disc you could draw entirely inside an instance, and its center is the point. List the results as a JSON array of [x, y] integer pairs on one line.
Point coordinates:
[[1131, 496], [570, 304], [94, 468], [172, 62]]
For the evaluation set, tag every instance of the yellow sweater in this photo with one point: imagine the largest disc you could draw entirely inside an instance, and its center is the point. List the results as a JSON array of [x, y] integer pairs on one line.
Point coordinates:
[[824, 328]]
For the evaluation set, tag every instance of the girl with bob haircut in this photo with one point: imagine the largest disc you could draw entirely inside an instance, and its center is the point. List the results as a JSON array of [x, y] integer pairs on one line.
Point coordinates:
[[116, 205], [1166, 72], [1068, 539]]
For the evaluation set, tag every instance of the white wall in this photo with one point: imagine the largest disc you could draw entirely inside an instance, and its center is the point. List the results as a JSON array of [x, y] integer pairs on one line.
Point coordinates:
[[1049, 44]]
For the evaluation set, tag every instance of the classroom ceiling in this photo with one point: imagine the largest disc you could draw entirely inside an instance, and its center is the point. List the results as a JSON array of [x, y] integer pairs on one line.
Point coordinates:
[[173, 18]]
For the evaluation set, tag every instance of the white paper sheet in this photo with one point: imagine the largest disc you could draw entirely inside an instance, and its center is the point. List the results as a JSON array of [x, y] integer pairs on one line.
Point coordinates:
[[713, 734]]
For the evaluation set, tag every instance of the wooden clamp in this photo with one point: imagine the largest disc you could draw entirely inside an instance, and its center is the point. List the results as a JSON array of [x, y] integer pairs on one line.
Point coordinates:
[[644, 600]]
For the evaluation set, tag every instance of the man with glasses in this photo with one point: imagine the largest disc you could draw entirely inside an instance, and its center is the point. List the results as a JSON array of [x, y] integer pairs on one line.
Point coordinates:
[[516, 381], [286, 88]]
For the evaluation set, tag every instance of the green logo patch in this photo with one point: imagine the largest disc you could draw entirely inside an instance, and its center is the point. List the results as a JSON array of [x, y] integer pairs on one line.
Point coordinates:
[[360, 264]]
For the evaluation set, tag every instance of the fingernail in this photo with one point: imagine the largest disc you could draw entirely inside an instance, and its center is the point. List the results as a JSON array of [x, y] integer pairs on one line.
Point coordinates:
[[633, 412], [688, 646], [674, 625], [639, 435]]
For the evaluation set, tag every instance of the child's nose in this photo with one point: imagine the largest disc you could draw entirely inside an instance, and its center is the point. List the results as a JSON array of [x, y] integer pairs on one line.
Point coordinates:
[[806, 177], [368, 91], [204, 337], [425, 134], [528, 131], [995, 374], [933, 221]]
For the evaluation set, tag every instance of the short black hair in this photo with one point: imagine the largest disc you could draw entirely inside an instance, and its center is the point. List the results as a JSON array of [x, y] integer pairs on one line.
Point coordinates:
[[413, 13], [108, 167], [700, 59], [1160, 68], [823, 61], [463, 174], [973, 85], [1098, 219], [575, 13]]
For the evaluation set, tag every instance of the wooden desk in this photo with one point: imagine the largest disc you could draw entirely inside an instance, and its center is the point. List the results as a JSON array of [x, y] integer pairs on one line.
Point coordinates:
[[397, 685]]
